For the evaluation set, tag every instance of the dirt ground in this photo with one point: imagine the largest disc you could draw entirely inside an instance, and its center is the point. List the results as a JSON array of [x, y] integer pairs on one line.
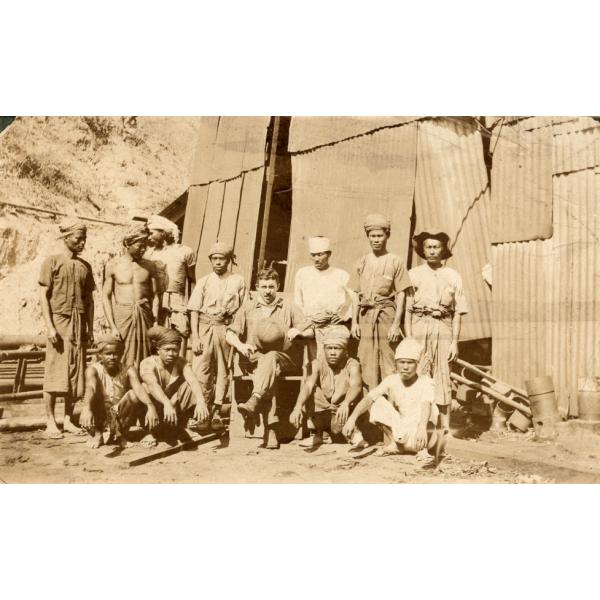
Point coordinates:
[[28, 457]]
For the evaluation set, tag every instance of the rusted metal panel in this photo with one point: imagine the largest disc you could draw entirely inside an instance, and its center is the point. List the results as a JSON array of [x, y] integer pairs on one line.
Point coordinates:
[[521, 181], [452, 193], [307, 133], [336, 186]]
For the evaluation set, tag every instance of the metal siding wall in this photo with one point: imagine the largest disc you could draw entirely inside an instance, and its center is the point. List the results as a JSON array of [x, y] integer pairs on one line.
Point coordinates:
[[336, 186], [546, 306], [452, 192]]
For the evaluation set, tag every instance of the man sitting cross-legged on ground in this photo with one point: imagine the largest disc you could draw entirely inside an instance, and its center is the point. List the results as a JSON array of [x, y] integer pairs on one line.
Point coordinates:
[[109, 383], [333, 386], [173, 388], [268, 325], [403, 405]]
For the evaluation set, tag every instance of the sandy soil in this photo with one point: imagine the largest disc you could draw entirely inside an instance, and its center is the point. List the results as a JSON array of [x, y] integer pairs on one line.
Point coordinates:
[[28, 457]]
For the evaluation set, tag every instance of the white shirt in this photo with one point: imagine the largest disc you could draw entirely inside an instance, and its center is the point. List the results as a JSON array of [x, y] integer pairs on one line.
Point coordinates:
[[318, 291]]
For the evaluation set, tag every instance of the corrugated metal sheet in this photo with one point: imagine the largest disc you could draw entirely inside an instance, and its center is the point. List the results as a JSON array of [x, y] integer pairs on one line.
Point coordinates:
[[311, 132], [227, 181], [522, 181], [336, 186], [545, 299], [452, 192]]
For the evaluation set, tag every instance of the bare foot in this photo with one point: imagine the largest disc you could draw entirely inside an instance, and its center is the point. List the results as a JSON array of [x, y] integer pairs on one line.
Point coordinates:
[[70, 427], [388, 450], [53, 432], [149, 441], [96, 441]]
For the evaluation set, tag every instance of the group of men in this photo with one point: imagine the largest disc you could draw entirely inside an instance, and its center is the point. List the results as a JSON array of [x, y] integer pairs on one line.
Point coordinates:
[[396, 381]]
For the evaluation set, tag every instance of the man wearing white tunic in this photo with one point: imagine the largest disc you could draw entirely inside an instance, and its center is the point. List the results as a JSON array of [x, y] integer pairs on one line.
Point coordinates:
[[402, 405], [433, 313], [320, 291]]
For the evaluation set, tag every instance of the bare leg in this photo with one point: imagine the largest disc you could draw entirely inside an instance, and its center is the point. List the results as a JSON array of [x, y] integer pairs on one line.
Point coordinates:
[[52, 430], [96, 440], [68, 424], [389, 444]]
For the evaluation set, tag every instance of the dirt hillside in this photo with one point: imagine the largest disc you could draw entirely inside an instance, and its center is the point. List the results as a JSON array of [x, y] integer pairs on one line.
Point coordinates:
[[103, 167]]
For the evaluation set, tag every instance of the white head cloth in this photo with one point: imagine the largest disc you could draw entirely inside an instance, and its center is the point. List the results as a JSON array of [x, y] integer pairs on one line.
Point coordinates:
[[409, 349], [319, 244]]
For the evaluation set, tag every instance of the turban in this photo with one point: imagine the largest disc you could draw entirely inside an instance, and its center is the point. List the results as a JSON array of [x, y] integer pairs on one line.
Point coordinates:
[[162, 224], [376, 221], [135, 233], [109, 340], [223, 249], [432, 233], [319, 244], [69, 226], [338, 335], [409, 349], [160, 336]]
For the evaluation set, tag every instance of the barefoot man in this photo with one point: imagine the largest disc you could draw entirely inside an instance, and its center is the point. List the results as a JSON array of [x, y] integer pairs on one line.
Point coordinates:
[[109, 383], [434, 311], [178, 266], [334, 385], [268, 325], [129, 296], [381, 282], [214, 302], [403, 405], [66, 288], [174, 390]]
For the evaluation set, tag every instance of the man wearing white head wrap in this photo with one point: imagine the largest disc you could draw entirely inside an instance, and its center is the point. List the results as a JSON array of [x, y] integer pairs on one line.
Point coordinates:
[[320, 292], [66, 288], [333, 386], [403, 405], [177, 265]]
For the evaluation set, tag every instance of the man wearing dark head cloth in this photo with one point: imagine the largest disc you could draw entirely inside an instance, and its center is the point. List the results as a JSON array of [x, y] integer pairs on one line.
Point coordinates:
[[129, 296], [66, 287], [381, 282], [108, 385], [174, 390]]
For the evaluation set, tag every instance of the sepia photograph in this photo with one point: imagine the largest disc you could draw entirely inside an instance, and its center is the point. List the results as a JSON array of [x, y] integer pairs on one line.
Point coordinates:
[[299, 299]]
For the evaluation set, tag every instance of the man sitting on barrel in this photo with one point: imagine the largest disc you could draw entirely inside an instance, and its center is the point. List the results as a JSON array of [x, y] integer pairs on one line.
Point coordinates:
[[268, 325], [109, 384], [331, 389], [402, 405]]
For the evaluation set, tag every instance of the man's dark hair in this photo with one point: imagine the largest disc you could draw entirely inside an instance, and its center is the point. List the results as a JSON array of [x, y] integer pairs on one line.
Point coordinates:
[[267, 274]]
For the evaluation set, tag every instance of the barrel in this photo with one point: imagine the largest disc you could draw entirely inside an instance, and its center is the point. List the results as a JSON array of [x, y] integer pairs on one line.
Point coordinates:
[[588, 399], [499, 417], [544, 409], [519, 421]]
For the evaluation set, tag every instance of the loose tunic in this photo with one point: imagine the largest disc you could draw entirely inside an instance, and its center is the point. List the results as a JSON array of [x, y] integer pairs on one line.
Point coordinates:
[[438, 296], [377, 280], [71, 284]]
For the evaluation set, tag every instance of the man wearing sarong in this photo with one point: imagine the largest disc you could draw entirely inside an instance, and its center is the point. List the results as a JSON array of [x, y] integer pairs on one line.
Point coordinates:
[[66, 298], [268, 325], [129, 296], [331, 389], [381, 281], [177, 267], [402, 405], [213, 304], [321, 293], [108, 384], [433, 313], [173, 388]]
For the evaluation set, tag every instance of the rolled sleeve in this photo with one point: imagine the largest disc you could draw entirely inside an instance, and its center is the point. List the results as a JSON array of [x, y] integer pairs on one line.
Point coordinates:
[[460, 301], [45, 277]]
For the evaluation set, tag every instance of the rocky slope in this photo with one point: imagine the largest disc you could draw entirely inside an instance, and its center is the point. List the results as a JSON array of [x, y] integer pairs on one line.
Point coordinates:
[[109, 168]]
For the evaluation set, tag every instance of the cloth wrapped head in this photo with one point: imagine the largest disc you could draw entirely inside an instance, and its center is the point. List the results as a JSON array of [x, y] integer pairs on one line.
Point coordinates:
[[109, 340], [319, 244], [135, 233], [70, 226], [161, 336], [156, 222], [337, 335], [222, 249], [409, 349], [432, 233], [377, 221]]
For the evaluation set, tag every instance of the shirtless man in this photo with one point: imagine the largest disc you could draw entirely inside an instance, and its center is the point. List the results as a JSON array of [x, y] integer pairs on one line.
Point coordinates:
[[129, 296], [177, 264], [108, 383], [173, 388]]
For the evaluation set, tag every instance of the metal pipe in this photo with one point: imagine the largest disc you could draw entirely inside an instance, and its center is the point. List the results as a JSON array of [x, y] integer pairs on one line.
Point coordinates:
[[473, 369], [21, 395]]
